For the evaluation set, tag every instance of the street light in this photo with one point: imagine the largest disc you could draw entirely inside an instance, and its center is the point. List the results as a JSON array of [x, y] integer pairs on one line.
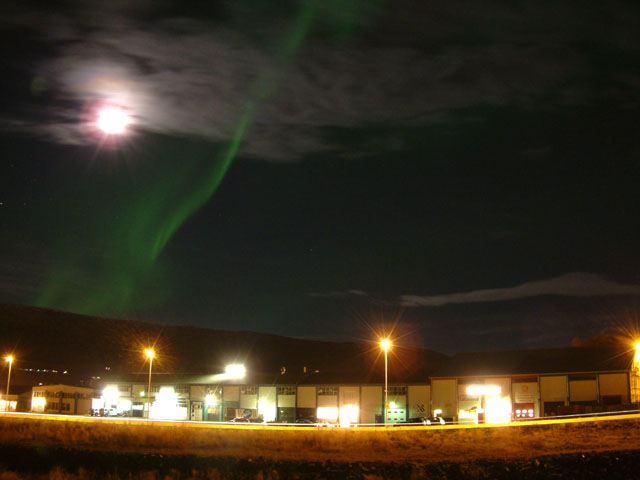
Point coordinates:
[[9, 358], [149, 353], [235, 371], [385, 344]]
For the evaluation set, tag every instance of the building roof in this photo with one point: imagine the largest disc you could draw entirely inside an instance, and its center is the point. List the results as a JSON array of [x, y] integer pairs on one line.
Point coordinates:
[[541, 361], [61, 387], [508, 363]]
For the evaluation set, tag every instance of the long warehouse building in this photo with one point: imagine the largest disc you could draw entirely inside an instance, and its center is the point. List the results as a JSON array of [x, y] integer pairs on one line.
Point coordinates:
[[470, 387]]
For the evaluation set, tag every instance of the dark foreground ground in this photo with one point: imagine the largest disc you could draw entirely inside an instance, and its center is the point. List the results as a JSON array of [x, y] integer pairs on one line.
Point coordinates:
[[20, 462]]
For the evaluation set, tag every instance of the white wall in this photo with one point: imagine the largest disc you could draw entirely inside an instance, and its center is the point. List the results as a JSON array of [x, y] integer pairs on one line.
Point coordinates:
[[285, 401], [231, 393], [443, 396], [268, 393], [615, 384], [553, 388], [197, 393], [371, 403], [307, 397], [327, 401], [583, 390], [419, 396], [349, 395], [248, 401]]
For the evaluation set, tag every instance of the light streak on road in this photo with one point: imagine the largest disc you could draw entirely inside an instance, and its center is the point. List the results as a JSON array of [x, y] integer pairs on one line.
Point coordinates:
[[616, 416]]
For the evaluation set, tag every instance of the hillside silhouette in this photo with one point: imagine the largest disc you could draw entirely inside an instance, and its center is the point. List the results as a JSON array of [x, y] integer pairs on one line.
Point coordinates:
[[47, 343]]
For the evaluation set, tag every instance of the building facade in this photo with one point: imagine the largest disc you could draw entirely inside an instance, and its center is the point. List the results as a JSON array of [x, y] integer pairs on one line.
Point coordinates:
[[491, 399], [491, 387], [63, 399]]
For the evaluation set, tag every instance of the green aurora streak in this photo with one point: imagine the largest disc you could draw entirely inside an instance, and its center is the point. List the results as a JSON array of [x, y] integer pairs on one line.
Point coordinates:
[[126, 273]]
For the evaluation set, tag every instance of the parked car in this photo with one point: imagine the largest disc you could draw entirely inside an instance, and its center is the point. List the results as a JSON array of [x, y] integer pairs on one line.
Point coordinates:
[[240, 420], [435, 421], [419, 421], [412, 421], [305, 421]]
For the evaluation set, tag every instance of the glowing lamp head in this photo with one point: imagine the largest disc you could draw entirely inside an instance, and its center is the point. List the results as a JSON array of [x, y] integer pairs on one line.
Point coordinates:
[[149, 353], [385, 344], [9, 358], [235, 371], [113, 120], [637, 354]]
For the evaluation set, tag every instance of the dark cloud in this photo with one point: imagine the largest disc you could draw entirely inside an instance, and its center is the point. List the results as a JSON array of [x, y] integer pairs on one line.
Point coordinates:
[[184, 76]]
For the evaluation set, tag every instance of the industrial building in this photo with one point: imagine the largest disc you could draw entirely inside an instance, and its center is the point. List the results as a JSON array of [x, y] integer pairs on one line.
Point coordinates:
[[492, 387], [63, 399]]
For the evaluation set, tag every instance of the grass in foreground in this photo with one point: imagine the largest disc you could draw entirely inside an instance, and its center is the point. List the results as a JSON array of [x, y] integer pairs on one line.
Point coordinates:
[[415, 445]]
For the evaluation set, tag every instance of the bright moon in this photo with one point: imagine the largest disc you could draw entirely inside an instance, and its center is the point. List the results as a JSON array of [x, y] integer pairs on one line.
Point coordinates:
[[112, 120]]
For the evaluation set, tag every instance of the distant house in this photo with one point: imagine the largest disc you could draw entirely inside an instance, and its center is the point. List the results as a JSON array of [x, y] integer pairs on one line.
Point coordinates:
[[64, 399]]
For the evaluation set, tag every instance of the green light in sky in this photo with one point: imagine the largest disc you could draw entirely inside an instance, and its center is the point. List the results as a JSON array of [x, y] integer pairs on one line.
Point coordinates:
[[132, 227]]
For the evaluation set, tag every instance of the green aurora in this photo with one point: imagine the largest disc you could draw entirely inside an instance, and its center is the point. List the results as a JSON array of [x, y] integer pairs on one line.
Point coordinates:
[[122, 272]]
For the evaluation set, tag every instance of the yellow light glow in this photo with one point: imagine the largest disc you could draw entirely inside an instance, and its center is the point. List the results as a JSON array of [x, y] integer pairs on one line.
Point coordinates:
[[497, 410], [636, 357], [38, 404], [477, 390], [8, 405], [110, 395], [9, 358], [150, 353], [210, 399], [437, 411], [385, 344], [327, 413], [267, 410], [166, 406], [348, 415]]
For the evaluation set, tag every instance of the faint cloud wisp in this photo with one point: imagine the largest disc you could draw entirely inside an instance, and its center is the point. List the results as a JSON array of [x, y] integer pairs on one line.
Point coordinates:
[[575, 284]]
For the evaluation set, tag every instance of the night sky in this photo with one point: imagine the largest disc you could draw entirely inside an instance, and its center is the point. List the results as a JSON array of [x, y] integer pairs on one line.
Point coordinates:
[[465, 171]]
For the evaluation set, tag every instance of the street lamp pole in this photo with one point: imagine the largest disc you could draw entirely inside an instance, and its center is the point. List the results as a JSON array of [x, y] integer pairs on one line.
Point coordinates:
[[385, 344], [9, 358], [149, 352]]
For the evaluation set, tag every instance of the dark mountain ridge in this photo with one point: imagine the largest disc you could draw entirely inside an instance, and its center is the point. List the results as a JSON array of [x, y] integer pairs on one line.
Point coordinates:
[[47, 343]]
